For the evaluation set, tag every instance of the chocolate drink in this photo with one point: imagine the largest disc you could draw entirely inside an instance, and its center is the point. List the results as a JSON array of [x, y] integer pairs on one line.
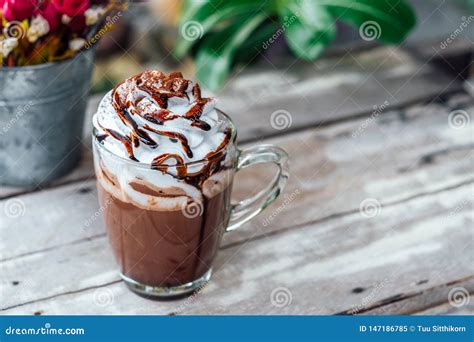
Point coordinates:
[[164, 166], [165, 248]]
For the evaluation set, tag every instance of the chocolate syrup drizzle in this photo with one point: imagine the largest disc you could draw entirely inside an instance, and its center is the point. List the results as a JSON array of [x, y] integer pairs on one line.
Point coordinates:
[[161, 88]]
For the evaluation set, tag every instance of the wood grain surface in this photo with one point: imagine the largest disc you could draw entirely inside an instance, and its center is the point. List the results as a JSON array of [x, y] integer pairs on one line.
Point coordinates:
[[420, 178], [377, 217]]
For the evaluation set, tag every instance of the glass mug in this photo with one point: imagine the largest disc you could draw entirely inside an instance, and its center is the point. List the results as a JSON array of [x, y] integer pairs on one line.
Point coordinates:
[[164, 241]]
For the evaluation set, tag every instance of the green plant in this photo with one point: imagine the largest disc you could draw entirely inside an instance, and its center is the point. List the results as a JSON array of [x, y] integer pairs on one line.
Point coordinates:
[[217, 32]]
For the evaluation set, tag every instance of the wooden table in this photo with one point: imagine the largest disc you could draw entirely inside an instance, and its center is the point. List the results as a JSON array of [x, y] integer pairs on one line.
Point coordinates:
[[377, 217]]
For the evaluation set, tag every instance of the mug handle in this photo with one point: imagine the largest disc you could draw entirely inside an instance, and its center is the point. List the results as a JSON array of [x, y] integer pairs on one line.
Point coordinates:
[[247, 209]]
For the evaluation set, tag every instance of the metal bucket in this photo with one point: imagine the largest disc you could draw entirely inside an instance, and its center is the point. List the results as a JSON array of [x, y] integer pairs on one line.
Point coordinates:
[[42, 111]]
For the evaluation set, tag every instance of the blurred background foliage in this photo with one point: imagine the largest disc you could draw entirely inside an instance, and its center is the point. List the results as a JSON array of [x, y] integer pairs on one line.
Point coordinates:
[[221, 29], [239, 33]]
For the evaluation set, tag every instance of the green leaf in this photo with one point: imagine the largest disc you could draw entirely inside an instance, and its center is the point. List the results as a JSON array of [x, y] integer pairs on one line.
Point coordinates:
[[255, 43], [309, 27], [226, 30], [389, 21], [215, 56], [200, 17]]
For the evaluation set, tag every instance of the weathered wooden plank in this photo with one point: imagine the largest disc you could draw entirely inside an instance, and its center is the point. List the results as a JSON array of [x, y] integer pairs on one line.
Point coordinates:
[[453, 298], [388, 157], [49, 275], [455, 58], [49, 218], [347, 263], [449, 309], [330, 89]]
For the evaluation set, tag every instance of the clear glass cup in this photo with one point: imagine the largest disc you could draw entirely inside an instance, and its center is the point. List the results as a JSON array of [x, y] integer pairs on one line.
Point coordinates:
[[164, 240]]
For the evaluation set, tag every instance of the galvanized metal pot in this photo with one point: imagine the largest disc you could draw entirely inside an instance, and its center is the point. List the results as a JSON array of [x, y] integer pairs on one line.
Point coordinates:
[[42, 111]]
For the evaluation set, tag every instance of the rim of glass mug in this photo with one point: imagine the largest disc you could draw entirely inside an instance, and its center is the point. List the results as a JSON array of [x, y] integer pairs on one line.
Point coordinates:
[[215, 155]]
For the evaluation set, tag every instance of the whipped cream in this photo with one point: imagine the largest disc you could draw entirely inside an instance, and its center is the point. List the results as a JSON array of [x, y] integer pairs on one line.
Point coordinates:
[[157, 119], [163, 121]]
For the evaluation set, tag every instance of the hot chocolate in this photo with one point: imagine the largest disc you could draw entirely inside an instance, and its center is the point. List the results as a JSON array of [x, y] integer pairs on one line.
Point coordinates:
[[164, 160], [165, 247]]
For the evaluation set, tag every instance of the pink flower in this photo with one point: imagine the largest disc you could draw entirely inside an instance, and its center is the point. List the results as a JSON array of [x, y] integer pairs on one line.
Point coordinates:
[[1, 14], [49, 12], [71, 8], [18, 9]]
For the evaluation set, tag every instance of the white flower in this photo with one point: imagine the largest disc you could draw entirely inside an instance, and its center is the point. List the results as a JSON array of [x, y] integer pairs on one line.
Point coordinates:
[[77, 43], [94, 14], [38, 28], [65, 19], [7, 45]]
